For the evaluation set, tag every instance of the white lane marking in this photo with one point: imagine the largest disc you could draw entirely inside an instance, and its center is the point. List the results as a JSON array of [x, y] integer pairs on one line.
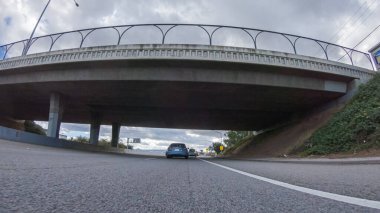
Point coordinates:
[[328, 195]]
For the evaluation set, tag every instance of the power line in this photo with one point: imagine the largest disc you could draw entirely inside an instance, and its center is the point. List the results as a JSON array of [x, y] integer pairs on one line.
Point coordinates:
[[362, 40], [366, 36], [364, 20], [355, 22], [348, 21]]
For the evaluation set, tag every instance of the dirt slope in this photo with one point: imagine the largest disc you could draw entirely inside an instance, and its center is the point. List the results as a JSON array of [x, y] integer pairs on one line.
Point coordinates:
[[282, 141]]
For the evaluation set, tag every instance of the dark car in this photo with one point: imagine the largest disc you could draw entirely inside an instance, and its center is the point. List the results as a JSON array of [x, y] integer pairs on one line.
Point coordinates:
[[193, 153], [177, 150]]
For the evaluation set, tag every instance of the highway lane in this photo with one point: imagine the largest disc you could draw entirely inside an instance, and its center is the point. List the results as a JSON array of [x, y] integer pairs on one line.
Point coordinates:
[[44, 179], [356, 180]]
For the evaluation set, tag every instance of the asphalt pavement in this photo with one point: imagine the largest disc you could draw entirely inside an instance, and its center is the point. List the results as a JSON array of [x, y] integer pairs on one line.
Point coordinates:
[[44, 179]]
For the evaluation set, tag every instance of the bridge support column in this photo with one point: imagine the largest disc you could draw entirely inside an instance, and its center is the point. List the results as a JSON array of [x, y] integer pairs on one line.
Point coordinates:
[[115, 134], [55, 115], [95, 128]]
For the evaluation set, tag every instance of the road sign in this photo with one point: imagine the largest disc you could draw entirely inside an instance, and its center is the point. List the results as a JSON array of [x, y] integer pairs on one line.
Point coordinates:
[[377, 57], [375, 52], [136, 140], [221, 148]]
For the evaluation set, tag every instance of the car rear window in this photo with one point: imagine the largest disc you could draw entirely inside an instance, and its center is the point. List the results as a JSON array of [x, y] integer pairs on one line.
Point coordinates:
[[177, 145]]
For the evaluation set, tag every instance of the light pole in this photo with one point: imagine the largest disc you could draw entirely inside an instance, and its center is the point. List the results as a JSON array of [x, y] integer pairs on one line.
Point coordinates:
[[221, 136], [28, 43]]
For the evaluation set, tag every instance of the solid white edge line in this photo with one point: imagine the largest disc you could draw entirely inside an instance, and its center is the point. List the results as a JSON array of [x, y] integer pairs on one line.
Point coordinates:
[[328, 195]]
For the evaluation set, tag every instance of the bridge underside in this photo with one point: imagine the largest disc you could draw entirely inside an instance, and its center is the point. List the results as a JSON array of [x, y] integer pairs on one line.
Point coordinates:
[[166, 104], [169, 86]]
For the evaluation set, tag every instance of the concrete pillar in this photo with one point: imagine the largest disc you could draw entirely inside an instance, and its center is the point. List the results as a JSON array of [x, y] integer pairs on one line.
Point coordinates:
[[55, 115], [115, 134], [95, 128]]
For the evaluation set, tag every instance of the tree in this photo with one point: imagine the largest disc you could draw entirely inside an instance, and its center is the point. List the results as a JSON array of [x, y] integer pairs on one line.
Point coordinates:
[[107, 143], [81, 139], [216, 147], [104, 142], [234, 137]]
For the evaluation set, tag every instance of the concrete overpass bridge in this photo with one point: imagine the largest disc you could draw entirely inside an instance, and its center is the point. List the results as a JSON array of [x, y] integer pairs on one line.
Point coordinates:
[[171, 85]]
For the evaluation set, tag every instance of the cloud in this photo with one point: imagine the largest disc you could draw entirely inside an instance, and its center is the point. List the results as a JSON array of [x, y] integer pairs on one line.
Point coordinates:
[[151, 138], [317, 19]]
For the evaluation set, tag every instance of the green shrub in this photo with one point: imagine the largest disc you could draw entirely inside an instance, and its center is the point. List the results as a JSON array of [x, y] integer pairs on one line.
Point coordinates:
[[31, 126], [81, 139], [355, 128]]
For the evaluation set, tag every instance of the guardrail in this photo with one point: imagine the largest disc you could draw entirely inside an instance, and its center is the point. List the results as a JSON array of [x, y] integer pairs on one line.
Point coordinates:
[[210, 30]]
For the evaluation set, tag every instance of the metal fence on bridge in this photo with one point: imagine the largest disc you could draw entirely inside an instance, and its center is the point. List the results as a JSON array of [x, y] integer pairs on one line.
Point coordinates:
[[254, 38]]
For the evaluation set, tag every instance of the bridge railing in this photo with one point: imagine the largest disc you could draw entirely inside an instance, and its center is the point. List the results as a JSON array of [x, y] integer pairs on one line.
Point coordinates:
[[212, 35]]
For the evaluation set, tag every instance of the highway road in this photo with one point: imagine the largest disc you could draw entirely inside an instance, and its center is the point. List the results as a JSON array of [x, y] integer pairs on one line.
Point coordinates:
[[44, 179]]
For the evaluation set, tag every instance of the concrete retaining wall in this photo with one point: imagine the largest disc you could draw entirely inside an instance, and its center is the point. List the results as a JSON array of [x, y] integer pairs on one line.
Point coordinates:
[[30, 138]]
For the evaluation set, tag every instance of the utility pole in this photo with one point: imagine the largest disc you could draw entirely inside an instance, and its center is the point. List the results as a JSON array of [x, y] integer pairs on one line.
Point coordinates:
[[29, 42], [221, 136]]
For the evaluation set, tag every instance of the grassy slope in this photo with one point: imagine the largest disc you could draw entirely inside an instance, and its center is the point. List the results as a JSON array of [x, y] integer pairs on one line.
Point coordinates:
[[355, 128]]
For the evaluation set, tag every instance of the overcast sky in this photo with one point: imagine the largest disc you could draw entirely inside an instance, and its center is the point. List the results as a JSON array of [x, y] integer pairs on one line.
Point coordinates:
[[344, 22]]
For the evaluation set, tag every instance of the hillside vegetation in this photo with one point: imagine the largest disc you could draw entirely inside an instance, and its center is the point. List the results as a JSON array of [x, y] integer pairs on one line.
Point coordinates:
[[32, 127], [356, 127]]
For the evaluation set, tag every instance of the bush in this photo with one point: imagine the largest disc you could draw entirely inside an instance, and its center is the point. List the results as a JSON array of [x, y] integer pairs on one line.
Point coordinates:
[[107, 143], [81, 139], [32, 127], [123, 146], [355, 128]]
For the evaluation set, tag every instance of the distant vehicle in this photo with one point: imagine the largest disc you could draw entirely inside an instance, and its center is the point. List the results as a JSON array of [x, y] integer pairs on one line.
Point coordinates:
[[177, 150], [193, 153]]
